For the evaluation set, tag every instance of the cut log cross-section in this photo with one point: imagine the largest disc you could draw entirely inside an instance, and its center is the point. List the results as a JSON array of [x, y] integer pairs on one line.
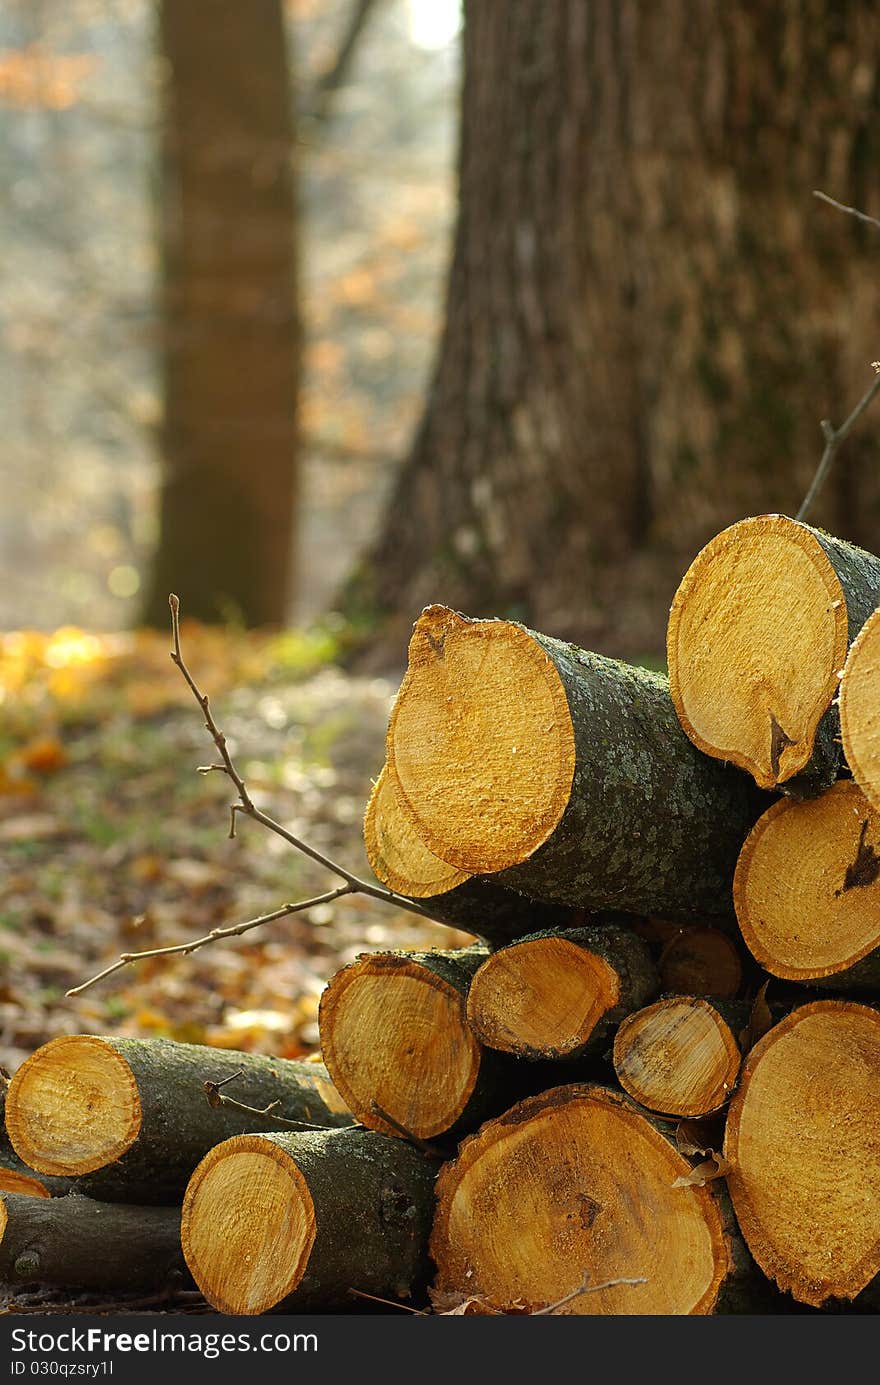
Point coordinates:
[[396, 1041], [757, 637], [558, 995], [565, 774], [700, 961], [677, 1057], [860, 709], [298, 1221], [399, 859], [78, 1243], [545, 1195], [129, 1119], [803, 1148], [807, 890]]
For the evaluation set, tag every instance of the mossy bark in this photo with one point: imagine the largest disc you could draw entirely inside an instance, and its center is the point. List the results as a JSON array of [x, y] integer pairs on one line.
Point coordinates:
[[652, 825], [16, 1177], [499, 916], [83, 1244]]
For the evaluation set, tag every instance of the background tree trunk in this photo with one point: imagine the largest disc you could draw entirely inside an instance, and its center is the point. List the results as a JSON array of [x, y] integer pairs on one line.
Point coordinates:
[[648, 313], [231, 334]]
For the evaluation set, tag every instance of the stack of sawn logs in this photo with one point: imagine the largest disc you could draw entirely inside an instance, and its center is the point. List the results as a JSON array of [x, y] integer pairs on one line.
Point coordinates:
[[596, 1107]]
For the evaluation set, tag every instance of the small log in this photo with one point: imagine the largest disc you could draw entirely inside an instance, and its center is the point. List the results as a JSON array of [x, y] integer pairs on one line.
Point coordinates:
[[79, 1243], [296, 1221], [396, 1041], [16, 1177], [803, 1147], [557, 995], [678, 1057], [565, 774], [859, 701], [129, 1118], [807, 890], [545, 1196], [758, 633], [400, 860], [701, 961]]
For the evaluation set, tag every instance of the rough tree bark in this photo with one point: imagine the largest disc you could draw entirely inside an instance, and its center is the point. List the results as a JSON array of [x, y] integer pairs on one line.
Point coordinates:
[[231, 334], [648, 313]]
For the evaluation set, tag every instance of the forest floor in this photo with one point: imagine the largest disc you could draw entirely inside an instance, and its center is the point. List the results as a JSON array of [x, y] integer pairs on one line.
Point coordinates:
[[112, 842]]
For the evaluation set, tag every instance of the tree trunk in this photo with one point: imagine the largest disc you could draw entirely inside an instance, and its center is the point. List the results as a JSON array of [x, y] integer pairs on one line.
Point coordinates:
[[130, 1119], [231, 334], [83, 1244], [647, 311], [296, 1222]]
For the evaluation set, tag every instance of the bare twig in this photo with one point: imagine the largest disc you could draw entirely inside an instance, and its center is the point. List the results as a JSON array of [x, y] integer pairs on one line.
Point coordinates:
[[334, 77], [216, 1100], [419, 1143], [584, 1288], [246, 804], [833, 439], [235, 931], [353, 884], [389, 1302], [850, 211]]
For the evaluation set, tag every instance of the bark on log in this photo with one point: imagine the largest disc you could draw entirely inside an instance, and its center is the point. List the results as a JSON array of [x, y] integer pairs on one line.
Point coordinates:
[[803, 1150], [572, 1164], [807, 890], [558, 995], [678, 1057], [565, 773], [859, 701], [129, 1118], [758, 633], [396, 1041], [83, 1244], [701, 961], [400, 860], [296, 1221]]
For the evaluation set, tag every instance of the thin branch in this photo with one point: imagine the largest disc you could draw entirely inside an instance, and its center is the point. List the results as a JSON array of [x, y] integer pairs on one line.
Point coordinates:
[[584, 1288], [833, 439], [216, 1100], [850, 211], [215, 934], [246, 804], [434, 1150], [327, 85], [374, 1298]]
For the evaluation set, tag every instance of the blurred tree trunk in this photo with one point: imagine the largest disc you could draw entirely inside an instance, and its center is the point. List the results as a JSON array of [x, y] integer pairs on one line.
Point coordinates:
[[648, 313], [231, 335]]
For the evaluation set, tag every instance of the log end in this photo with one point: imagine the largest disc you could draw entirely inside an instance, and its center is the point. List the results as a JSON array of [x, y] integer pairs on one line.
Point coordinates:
[[11, 1181], [757, 635], [481, 741], [73, 1106], [860, 709], [807, 884], [541, 998], [395, 1038], [677, 1057], [700, 961], [803, 1146], [543, 1197], [247, 1226], [397, 855]]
